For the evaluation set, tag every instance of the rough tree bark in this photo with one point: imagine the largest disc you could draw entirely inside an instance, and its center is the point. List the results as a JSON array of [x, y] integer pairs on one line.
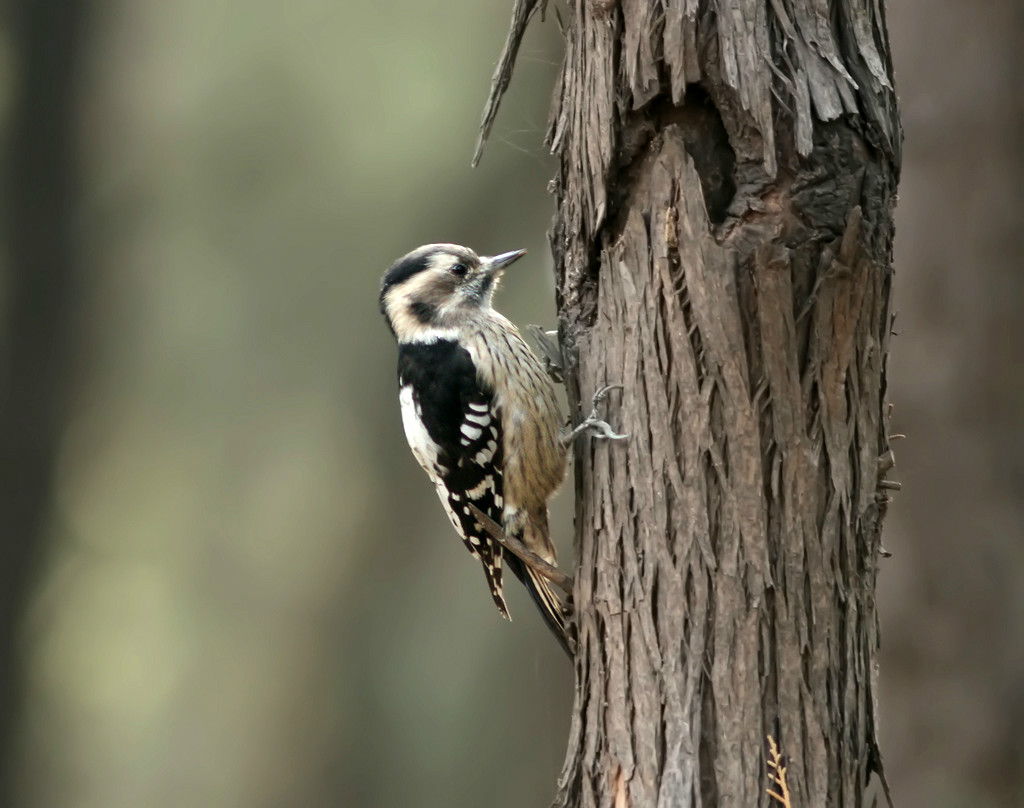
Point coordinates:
[[727, 173]]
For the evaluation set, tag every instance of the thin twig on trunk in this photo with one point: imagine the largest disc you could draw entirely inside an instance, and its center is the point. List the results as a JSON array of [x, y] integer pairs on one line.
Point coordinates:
[[560, 579]]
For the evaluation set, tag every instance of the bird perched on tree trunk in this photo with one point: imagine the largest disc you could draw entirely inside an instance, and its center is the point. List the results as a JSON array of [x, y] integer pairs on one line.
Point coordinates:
[[479, 410]]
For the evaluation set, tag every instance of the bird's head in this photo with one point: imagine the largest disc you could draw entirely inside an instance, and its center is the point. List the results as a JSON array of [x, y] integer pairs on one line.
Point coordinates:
[[438, 286]]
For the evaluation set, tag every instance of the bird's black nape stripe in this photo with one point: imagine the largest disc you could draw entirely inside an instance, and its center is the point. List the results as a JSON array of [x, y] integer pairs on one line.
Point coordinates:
[[403, 270]]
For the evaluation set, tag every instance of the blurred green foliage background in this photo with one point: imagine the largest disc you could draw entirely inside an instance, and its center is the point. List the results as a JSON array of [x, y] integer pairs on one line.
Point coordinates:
[[251, 595], [255, 598]]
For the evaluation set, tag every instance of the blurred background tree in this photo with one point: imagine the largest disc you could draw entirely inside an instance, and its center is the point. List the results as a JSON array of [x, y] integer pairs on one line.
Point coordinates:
[[250, 596], [42, 277]]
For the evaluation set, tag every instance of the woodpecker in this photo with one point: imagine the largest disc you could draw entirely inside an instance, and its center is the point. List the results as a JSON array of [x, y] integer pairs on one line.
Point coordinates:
[[479, 410]]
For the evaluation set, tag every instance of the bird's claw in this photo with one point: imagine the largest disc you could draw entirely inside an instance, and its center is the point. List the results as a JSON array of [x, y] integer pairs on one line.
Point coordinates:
[[597, 427], [601, 394]]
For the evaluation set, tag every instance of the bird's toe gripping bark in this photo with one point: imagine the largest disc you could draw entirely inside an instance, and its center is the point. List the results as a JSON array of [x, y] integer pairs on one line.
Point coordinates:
[[597, 427]]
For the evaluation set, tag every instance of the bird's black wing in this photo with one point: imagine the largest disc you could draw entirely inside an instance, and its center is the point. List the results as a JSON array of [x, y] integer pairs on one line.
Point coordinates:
[[454, 430]]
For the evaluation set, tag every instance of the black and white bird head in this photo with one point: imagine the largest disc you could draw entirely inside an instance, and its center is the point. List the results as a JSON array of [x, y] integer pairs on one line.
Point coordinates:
[[440, 286]]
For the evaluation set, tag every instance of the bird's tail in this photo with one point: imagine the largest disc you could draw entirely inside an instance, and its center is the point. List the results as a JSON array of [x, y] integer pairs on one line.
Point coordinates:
[[550, 605]]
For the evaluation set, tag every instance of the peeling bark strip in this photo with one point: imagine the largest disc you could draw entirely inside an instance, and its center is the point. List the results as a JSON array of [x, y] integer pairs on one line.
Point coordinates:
[[723, 250]]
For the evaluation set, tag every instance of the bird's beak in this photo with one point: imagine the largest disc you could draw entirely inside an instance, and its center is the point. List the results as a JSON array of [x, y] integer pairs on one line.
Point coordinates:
[[499, 262]]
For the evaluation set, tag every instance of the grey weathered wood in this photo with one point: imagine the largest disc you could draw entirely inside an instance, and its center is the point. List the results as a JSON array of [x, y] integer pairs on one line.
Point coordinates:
[[727, 172]]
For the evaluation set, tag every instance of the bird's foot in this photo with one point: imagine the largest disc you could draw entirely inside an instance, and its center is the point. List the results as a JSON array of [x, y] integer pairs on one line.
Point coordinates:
[[594, 425]]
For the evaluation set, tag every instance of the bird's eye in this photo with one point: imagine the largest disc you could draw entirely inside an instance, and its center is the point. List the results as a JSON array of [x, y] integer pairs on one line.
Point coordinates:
[[459, 270]]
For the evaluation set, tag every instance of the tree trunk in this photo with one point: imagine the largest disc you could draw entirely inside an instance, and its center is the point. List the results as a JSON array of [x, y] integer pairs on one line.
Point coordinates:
[[727, 174], [40, 282]]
